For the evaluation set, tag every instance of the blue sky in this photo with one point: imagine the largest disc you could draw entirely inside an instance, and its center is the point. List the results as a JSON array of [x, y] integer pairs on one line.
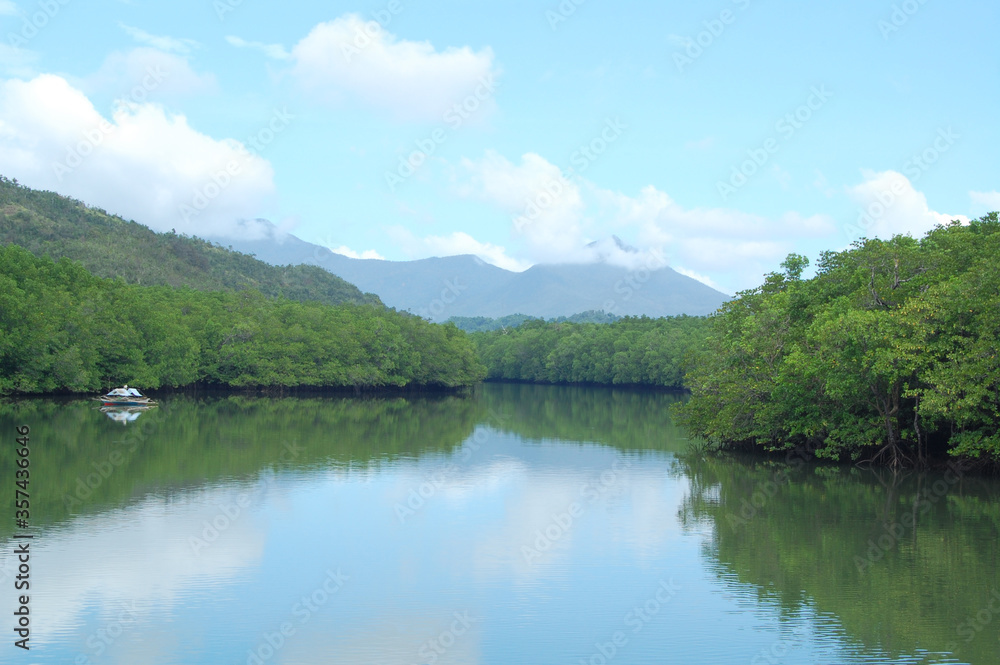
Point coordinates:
[[722, 134]]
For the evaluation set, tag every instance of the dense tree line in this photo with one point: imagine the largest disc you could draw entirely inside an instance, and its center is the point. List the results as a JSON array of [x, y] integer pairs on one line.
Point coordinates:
[[889, 354], [485, 323], [108, 246], [64, 329], [630, 351]]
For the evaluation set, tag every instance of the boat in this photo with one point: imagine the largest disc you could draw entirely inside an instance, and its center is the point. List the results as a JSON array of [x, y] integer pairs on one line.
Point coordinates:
[[125, 396]]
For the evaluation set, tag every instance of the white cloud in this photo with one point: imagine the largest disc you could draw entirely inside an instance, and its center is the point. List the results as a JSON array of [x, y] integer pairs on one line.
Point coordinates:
[[987, 201], [169, 44], [553, 218], [889, 205], [8, 8], [344, 250], [157, 70], [349, 57], [704, 279], [456, 243], [143, 163], [734, 247], [546, 209], [273, 51], [147, 73]]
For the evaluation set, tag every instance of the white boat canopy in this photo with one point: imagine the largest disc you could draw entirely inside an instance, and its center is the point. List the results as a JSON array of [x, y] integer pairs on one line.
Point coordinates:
[[125, 392]]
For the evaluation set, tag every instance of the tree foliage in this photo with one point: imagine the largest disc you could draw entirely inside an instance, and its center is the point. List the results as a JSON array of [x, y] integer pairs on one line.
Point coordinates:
[[108, 246], [63, 329], [486, 324], [630, 351], [889, 354]]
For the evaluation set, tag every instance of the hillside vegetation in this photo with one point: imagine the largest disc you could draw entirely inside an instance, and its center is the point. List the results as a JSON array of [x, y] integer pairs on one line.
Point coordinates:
[[486, 324], [46, 223], [630, 351], [63, 329], [890, 354]]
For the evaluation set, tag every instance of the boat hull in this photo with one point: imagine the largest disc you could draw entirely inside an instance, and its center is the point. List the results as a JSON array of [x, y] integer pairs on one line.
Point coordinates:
[[125, 397]]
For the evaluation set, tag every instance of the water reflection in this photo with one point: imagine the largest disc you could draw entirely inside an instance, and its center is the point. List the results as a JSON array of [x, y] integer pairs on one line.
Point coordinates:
[[520, 524], [124, 415], [904, 562]]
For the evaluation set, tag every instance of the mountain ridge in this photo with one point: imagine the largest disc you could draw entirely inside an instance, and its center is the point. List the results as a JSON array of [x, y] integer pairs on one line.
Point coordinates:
[[464, 285]]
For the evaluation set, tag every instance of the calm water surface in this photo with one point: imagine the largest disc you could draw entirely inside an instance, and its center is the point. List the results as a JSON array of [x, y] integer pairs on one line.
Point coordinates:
[[519, 525]]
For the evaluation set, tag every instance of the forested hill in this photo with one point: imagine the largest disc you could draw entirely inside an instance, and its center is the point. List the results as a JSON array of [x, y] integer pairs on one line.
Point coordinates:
[[629, 351], [891, 353], [473, 324], [63, 329], [108, 246]]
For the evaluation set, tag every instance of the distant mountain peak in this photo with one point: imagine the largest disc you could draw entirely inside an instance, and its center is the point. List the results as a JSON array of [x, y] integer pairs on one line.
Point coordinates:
[[264, 229], [465, 285], [615, 242]]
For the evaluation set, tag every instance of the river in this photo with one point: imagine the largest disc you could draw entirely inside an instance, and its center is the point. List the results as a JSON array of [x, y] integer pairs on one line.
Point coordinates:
[[515, 525]]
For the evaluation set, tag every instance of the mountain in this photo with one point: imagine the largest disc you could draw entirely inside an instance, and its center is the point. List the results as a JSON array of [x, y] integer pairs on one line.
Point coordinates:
[[46, 223], [440, 288], [436, 288]]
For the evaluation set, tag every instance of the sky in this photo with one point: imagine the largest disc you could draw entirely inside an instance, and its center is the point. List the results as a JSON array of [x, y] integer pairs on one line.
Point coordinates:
[[718, 135]]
